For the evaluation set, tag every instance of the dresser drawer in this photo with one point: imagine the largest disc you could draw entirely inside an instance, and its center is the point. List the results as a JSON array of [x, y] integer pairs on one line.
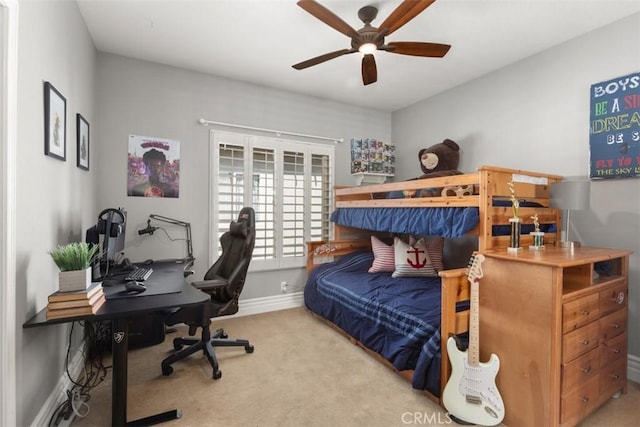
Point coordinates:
[[580, 370], [580, 341], [613, 325], [613, 377], [580, 312], [581, 401], [613, 299], [613, 349]]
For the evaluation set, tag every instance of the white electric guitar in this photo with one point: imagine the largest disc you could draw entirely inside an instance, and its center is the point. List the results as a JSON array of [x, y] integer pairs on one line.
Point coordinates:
[[471, 394]]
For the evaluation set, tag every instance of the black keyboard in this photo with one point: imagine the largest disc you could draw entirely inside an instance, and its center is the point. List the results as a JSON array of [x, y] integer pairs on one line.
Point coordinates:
[[139, 275]]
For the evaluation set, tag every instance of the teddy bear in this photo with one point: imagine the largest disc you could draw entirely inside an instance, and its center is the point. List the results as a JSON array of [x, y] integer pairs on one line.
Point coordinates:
[[440, 160]]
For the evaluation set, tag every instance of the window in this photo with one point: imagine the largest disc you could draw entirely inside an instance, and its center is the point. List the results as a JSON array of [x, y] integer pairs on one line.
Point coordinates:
[[289, 189]]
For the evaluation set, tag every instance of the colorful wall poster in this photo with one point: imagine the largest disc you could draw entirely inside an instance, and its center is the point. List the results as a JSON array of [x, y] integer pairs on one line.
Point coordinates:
[[154, 167]]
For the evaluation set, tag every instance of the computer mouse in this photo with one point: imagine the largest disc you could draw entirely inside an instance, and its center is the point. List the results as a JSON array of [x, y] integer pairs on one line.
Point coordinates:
[[135, 287]]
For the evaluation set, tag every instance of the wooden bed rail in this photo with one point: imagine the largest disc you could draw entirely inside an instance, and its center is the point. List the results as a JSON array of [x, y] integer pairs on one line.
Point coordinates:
[[330, 248], [490, 184]]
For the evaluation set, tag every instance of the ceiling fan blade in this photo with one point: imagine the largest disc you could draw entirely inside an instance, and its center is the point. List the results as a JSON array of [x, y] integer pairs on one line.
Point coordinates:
[[369, 70], [328, 17], [404, 13], [322, 58], [432, 50]]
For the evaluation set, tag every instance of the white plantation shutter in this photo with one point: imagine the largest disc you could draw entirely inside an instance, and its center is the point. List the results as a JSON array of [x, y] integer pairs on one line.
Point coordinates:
[[290, 191], [263, 202], [321, 197], [230, 182], [293, 206]]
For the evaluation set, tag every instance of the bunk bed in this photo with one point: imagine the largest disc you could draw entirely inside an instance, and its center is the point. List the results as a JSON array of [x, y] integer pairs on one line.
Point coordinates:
[[405, 321]]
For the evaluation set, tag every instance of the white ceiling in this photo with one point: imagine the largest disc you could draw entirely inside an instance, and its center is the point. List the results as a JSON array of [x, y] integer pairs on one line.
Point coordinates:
[[259, 40]]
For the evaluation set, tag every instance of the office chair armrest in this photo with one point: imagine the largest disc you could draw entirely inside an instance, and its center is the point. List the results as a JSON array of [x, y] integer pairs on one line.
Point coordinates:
[[208, 285]]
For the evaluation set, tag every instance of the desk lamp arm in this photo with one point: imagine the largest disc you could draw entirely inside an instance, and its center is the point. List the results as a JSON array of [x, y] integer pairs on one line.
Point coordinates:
[[187, 227]]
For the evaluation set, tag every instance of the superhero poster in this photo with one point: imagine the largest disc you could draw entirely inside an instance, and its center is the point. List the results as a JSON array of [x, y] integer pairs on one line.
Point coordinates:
[[153, 167]]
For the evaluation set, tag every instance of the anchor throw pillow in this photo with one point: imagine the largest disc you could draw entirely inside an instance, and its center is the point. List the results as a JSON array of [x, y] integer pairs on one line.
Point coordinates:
[[424, 258]]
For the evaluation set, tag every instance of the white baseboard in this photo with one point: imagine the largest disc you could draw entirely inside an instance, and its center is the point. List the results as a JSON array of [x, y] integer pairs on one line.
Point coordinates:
[[271, 303], [59, 393]]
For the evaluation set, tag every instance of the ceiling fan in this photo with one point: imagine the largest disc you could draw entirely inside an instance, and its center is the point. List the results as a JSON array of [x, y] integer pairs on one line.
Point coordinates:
[[369, 39]]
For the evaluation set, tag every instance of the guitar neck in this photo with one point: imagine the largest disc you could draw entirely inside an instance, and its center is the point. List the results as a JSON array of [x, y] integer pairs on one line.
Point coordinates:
[[473, 352], [474, 275]]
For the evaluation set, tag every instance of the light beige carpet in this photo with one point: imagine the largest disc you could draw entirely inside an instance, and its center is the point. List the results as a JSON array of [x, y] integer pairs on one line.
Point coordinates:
[[302, 373]]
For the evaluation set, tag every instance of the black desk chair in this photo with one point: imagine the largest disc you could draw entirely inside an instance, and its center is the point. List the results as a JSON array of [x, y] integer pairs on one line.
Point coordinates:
[[224, 282]]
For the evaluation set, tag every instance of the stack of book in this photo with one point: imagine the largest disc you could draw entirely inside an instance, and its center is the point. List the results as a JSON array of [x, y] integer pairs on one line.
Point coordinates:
[[75, 303]]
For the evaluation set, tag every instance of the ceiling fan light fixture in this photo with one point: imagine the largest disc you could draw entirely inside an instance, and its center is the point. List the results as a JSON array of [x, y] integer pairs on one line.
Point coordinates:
[[367, 48]]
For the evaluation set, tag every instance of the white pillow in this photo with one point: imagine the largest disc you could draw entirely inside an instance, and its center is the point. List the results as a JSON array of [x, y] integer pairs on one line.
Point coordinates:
[[422, 259], [383, 256]]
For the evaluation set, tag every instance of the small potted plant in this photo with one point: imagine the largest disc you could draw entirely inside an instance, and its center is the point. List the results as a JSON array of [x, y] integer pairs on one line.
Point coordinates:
[[74, 261]]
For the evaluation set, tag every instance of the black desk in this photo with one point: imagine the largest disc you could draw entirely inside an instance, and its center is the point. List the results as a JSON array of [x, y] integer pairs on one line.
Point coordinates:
[[118, 311]]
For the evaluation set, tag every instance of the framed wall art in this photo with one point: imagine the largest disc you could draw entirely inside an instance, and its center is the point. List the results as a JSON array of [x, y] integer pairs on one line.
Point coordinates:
[[55, 123], [614, 128], [82, 142]]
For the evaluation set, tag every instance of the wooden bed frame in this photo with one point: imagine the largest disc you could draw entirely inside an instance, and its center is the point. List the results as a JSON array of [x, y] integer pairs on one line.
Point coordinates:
[[490, 183]]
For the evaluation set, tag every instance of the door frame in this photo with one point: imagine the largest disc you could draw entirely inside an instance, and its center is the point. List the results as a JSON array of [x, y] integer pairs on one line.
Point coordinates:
[[8, 146]]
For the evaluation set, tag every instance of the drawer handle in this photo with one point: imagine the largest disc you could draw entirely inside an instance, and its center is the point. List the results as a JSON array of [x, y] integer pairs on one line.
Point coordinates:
[[585, 342], [615, 377], [619, 299], [616, 326], [616, 351], [587, 370], [585, 312], [585, 399]]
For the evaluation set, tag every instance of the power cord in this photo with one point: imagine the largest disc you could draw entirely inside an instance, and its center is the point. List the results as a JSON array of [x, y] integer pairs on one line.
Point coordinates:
[[171, 239], [93, 373]]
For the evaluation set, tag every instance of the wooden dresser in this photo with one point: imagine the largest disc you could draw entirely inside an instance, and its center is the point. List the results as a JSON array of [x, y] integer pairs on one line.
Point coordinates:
[[557, 319]]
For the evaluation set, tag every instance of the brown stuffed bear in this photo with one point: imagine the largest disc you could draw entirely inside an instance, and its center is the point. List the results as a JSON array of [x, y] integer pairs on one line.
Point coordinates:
[[440, 160]]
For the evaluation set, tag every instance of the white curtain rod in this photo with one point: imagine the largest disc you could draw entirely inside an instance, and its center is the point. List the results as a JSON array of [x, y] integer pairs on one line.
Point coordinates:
[[204, 122]]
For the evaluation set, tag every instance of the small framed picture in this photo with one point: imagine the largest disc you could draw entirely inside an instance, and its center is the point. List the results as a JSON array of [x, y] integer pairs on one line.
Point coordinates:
[[55, 123], [82, 142]]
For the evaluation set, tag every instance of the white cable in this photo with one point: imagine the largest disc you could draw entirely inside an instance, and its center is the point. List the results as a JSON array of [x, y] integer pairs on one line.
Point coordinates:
[[79, 406]]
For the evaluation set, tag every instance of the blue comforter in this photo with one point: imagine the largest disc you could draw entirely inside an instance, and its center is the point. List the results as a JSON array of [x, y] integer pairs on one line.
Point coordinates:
[[399, 318], [445, 222]]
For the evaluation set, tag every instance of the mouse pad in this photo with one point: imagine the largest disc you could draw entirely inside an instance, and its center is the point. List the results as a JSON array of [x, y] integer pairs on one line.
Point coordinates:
[[156, 284]]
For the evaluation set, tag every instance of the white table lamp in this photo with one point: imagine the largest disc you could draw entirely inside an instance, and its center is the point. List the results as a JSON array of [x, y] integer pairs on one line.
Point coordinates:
[[568, 196]]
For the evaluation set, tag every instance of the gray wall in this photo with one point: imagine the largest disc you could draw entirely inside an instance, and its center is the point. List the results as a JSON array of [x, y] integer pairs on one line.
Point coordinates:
[[56, 201], [142, 98], [534, 115]]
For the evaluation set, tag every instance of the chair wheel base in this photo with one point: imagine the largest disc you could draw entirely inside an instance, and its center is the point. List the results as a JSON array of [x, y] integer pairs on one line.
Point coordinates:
[[167, 370], [217, 375], [249, 348]]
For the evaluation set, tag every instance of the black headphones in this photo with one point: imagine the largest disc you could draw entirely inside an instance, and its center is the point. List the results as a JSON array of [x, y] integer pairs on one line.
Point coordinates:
[[115, 228]]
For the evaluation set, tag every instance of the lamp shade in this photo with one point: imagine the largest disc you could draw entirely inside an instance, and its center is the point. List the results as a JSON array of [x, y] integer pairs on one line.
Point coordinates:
[[571, 195]]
